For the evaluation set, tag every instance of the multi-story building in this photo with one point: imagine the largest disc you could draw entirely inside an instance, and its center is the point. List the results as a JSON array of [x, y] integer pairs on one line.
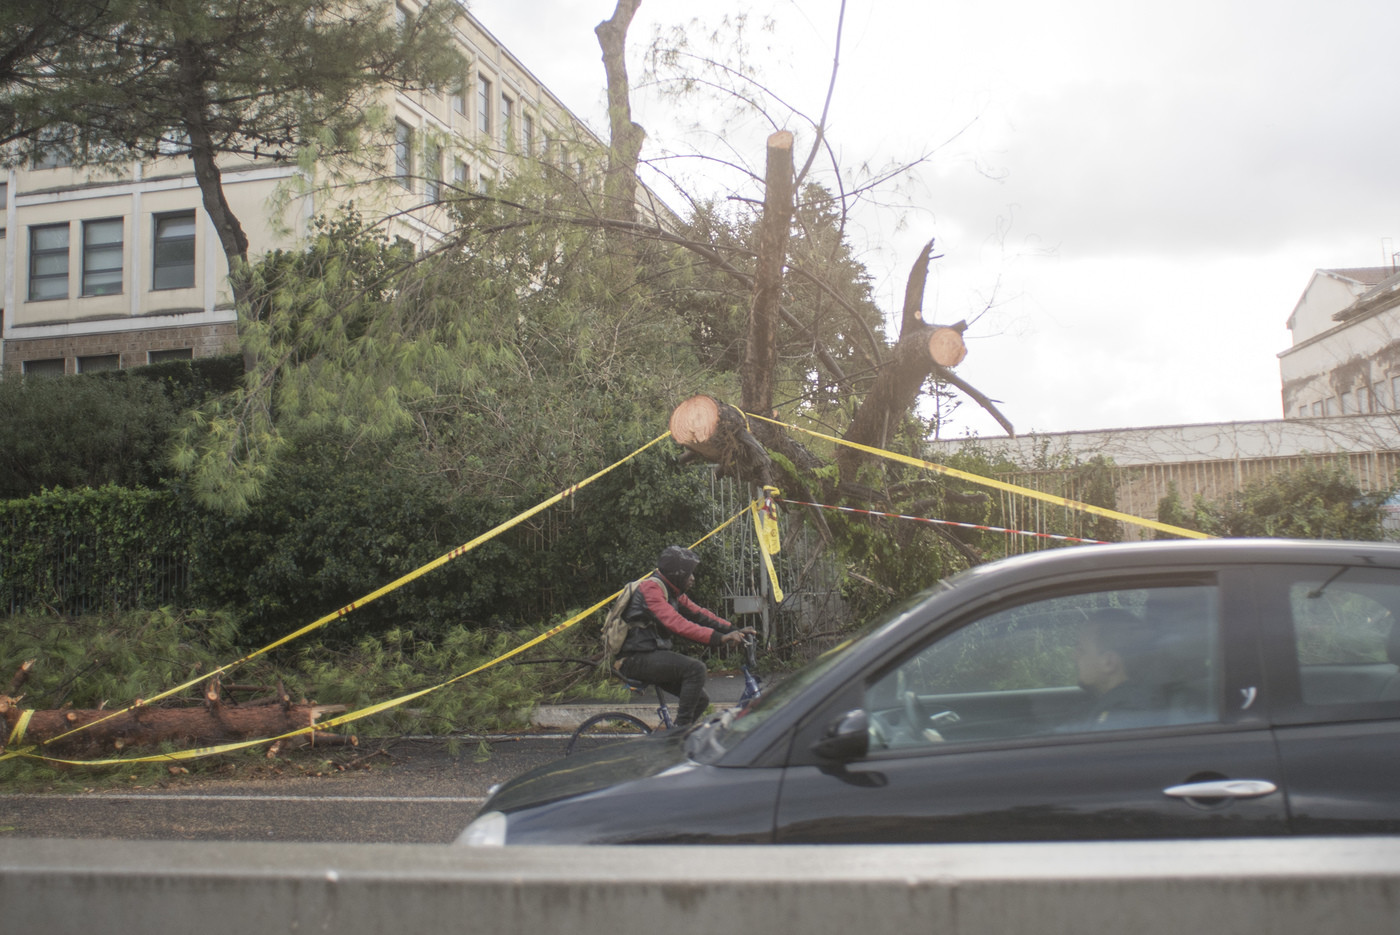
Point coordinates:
[[1345, 358], [106, 269]]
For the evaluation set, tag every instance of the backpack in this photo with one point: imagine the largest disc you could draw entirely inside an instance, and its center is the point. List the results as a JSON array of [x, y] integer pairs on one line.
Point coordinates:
[[614, 626]]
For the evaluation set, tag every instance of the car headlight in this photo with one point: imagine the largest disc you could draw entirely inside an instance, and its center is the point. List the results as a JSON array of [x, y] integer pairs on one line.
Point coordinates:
[[488, 830]]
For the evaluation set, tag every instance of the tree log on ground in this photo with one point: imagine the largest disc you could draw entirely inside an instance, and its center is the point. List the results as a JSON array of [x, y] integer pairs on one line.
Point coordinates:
[[212, 722]]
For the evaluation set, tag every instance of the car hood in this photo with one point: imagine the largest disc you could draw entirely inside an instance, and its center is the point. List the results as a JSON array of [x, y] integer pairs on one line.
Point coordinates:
[[591, 770]]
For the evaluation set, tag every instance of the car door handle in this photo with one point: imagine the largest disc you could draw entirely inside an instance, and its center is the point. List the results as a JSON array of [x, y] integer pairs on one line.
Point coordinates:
[[1222, 789]]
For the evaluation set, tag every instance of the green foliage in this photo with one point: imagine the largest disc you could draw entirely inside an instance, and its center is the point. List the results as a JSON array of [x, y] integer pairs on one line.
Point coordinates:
[[112, 658], [266, 78], [827, 291], [1172, 511], [1321, 500], [333, 526], [92, 548], [890, 559], [317, 368], [102, 428], [80, 431], [396, 663]]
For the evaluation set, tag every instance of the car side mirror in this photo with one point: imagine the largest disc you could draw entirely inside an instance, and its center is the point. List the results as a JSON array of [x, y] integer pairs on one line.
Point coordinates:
[[846, 738]]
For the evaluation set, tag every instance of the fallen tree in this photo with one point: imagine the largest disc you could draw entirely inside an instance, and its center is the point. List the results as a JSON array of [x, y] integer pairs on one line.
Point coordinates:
[[94, 732]]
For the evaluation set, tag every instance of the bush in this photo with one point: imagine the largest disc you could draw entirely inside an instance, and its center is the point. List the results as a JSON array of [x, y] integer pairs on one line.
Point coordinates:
[[1318, 501], [90, 549], [95, 429]]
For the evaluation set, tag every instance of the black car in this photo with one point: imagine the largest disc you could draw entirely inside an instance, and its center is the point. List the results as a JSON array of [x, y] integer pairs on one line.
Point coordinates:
[[1144, 690]]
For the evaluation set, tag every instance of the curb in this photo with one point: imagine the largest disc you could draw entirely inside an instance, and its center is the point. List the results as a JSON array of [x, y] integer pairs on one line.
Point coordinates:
[[724, 689], [570, 716]]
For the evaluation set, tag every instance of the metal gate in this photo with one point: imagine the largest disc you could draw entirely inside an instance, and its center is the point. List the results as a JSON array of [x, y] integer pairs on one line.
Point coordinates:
[[813, 614]]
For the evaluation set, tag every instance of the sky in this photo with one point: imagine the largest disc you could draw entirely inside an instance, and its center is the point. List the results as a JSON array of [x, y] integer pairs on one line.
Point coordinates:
[[1128, 199]]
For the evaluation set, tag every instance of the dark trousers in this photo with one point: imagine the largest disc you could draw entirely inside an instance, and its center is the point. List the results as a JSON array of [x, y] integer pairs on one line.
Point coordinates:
[[682, 676]]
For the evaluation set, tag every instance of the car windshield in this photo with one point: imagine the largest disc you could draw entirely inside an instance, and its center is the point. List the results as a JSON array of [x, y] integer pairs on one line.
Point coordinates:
[[723, 731]]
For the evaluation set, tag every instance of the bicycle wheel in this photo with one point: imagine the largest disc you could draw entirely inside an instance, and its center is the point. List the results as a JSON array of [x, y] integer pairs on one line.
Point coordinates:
[[603, 729]]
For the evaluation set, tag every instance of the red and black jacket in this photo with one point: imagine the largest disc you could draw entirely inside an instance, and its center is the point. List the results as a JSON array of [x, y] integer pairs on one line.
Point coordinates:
[[658, 611]]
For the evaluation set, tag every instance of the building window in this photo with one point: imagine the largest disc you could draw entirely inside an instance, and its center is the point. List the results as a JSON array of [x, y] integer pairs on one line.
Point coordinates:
[[99, 363], [527, 127], [56, 153], [4, 195], [459, 97], [48, 262], [402, 16], [461, 175], [52, 367], [1329, 406], [433, 171], [1317, 408], [102, 257], [175, 353], [483, 105], [403, 154], [172, 260], [1395, 392], [1363, 399], [507, 121], [1348, 407]]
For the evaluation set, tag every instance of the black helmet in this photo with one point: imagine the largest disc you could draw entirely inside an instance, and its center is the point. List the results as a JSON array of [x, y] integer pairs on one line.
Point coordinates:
[[676, 562]]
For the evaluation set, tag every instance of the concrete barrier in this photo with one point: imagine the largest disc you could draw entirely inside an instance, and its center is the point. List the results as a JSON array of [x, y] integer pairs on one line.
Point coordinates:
[[1239, 887]]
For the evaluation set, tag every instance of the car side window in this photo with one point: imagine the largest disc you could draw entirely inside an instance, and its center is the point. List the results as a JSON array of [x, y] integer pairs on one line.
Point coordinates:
[[1346, 635], [1093, 661]]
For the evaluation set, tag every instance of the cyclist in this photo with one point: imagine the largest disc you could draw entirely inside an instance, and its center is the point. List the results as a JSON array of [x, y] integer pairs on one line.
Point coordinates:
[[660, 610]]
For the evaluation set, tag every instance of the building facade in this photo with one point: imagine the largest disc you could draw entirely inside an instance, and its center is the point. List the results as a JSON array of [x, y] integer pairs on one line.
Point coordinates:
[[1345, 357], [106, 269]]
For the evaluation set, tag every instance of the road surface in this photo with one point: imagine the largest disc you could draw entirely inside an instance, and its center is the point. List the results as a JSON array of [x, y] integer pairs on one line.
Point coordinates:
[[417, 791]]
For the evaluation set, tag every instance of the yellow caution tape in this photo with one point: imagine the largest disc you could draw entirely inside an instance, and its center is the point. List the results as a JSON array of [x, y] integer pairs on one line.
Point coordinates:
[[21, 726], [374, 595], [352, 716], [765, 525], [999, 485]]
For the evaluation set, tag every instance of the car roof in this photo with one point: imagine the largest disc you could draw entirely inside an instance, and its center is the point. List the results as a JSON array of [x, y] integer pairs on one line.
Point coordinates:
[[1196, 552]]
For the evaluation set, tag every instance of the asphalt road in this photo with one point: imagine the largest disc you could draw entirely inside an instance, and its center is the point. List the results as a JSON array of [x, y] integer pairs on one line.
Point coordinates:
[[407, 792], [412, 792]]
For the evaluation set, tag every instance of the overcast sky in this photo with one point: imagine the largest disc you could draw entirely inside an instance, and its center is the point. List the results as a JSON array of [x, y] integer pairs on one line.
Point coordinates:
[[1142, 191]]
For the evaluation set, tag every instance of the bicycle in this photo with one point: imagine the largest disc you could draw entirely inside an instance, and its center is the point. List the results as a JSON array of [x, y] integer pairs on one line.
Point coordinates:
[[609, 727]]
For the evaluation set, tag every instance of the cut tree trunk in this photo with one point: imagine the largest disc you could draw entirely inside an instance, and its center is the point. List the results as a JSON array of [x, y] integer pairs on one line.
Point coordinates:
[[946, 347], [761, 348], [717, 432], [625, 141]]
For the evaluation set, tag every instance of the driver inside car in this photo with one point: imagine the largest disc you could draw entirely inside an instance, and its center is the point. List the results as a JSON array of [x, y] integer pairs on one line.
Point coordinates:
[[1113, 659]]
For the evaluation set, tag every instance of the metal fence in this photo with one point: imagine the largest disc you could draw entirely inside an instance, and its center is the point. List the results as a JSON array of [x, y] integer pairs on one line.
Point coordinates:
[[812, 614], [1140, 489], [78, 570]]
